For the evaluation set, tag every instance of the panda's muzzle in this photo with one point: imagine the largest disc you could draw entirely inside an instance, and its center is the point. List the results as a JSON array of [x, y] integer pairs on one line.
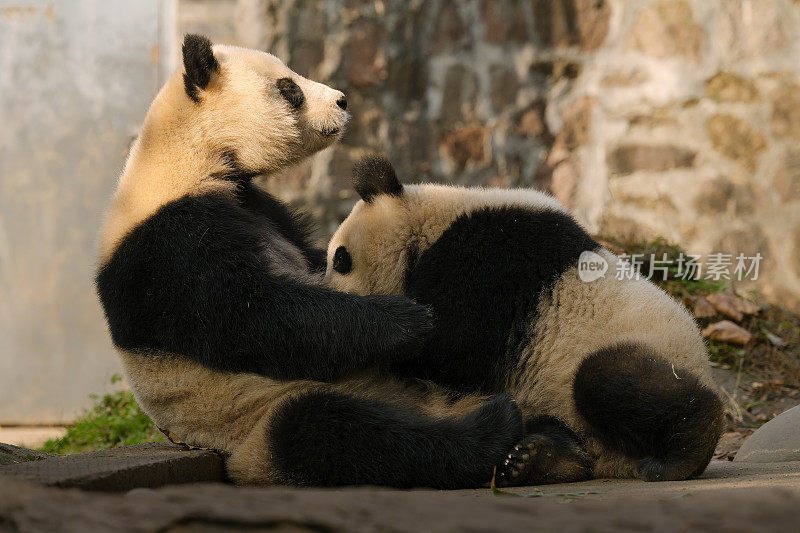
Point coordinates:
[[328, 132]]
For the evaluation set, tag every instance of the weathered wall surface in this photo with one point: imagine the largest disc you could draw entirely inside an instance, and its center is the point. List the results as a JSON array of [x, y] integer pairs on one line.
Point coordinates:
[[678, 118], [75, 83]]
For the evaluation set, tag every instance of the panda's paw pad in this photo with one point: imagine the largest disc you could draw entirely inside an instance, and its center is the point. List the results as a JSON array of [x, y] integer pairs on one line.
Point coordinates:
[[515, 468]]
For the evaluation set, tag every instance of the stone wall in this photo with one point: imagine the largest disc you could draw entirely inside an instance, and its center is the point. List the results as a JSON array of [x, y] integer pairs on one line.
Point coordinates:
[[678, 118]]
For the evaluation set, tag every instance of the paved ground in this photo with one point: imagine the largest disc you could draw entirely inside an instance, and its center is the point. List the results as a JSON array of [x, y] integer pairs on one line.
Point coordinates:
[[30, 436], [719, 476], [117, 469], [728, 497], [211, 508]]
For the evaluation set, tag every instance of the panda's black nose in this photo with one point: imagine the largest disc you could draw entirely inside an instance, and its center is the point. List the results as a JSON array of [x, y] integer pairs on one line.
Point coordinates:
[[342, 102]]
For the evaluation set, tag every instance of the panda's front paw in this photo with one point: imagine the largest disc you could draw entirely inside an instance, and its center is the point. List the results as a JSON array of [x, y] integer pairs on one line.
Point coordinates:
[[404, 327]]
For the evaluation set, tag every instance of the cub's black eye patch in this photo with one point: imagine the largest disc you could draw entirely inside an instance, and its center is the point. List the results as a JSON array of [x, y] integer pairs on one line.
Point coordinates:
[[342, 263], [291, 91]]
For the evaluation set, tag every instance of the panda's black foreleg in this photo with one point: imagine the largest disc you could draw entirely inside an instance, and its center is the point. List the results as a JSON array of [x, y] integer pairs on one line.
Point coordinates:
[[550, 452], [331, 439], [657, 415]]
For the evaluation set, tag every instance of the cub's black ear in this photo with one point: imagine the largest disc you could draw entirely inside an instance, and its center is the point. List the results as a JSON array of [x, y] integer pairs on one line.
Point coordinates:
[[374, 175], [199, 63]]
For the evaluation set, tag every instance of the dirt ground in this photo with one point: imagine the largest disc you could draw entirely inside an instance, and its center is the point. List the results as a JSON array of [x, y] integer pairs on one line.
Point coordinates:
[[749, 408]]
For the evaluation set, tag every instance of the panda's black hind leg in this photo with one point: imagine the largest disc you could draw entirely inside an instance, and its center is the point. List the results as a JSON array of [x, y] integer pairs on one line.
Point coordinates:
[[660, 417], [332, 439], [549, 453]]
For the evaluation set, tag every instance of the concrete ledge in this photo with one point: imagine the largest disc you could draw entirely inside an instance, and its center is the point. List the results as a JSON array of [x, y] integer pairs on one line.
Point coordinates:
[[10, 454], [120, 469], [218, 507]]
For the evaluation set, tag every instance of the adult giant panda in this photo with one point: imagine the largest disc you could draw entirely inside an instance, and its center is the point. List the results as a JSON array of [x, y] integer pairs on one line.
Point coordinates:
[[617, 361], [212, 294]]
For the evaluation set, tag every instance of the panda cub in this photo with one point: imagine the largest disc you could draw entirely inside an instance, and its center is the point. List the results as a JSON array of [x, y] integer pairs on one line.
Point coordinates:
[[611, 375], [213, 296]]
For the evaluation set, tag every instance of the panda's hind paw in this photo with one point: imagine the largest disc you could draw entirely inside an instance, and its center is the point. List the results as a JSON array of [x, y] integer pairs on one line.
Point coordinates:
[[515, 468], [541, 459]]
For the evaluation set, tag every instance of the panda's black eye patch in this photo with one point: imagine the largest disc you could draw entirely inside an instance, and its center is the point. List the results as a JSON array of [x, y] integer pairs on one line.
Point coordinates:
[[291, 91], [342, 262]]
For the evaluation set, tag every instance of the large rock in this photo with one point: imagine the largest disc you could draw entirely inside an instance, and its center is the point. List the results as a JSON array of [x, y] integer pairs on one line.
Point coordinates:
[[581, 23], [449, 33], [504, 84], [776, 441], [724, 195], [466, 146], [786, 111], [736, 139], [118, 469], [503, 21], [629, 158], [729, 87], [787, 178], [366, 64], [796, 250], [459, 96], [667, 29], [752, 28]]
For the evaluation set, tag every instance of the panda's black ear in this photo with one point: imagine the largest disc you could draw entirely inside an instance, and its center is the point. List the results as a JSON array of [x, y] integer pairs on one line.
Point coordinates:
[[374, 175], [199, 63]]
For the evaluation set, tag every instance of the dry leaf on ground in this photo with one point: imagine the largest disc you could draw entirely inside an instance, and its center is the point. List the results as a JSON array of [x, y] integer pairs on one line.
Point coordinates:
[[703, 308], [727, 331]]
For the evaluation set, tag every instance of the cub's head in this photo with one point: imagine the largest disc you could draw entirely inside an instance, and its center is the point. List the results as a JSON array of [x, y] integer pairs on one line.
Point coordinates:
[[254, 112], [373, 247], [388, 230], [393, 225]]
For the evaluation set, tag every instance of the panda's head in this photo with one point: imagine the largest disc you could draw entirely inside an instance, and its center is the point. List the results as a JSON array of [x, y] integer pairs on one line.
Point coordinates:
[[372, 248], [393, 224], [252, 111]]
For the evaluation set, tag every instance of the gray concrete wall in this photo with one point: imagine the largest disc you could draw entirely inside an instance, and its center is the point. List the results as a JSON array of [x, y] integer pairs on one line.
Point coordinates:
[[75, 82]]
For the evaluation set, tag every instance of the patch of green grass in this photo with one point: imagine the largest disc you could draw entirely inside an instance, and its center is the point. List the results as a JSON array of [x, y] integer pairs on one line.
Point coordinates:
[[115, 420]]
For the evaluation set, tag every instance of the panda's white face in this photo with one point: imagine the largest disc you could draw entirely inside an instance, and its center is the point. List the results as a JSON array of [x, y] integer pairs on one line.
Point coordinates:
[[264, 114], [371, 250]]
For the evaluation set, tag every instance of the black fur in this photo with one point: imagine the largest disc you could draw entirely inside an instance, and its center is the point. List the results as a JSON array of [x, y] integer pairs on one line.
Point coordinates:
[[199, 63], [641, 406], [233, 170], [374, 175], [342, 262], [483, 278], [194, 279], [549, 453], [291, 92], [294, 225], [332, 439]]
